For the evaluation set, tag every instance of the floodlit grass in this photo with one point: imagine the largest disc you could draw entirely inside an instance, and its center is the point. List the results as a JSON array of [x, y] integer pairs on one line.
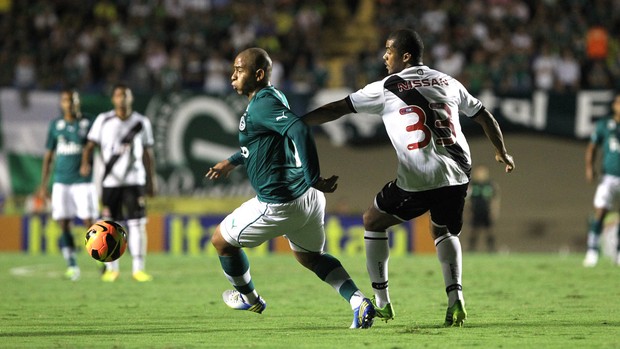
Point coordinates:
[[513, 301]]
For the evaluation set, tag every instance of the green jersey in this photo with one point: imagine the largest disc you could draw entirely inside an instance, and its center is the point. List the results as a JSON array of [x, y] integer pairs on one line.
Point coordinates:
[[606, 135], [67, 139], [277, 148]]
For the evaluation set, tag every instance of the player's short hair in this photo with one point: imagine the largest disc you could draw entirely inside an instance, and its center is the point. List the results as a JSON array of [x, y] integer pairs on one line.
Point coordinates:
[[408, 41], [122, 85], [261, 60], [70, 91]]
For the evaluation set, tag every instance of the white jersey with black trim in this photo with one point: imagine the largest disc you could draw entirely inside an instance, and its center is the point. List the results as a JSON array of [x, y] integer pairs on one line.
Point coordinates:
[[420, 110], [112, 134]]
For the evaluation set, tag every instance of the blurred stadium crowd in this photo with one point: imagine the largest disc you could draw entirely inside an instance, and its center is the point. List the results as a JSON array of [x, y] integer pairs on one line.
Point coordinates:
[[510, 46]]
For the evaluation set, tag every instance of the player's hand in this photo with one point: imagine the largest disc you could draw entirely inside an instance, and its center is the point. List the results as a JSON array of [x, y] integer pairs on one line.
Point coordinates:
[[85, 169], [326, 185], [222, 168], [506, 159]]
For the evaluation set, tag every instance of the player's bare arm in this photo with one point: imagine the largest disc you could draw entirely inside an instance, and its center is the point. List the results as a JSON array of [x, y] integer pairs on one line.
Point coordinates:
[[222, 168], [494, 134], [87, 152], [149, 165], [327, 113], [590, 156], [45, 174], [326, 185]]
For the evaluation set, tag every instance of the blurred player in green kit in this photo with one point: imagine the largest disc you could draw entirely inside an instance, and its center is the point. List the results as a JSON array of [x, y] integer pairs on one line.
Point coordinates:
[[607, 197], [73, 195]]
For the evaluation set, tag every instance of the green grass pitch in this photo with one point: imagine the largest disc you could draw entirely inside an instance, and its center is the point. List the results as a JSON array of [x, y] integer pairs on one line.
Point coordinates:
[[513, 301]]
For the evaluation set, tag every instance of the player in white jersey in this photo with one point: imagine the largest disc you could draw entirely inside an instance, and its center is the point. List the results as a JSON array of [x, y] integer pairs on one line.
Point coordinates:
[[420, 110], [125, 139], [73, 195]]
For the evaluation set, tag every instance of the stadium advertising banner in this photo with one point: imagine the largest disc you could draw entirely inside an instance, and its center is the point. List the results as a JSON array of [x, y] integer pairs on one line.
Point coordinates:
[[191, 234]]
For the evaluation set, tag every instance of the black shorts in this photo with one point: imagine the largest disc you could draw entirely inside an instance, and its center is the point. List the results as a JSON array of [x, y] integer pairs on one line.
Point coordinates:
[[481, 220], [445, 204], [121, 203]]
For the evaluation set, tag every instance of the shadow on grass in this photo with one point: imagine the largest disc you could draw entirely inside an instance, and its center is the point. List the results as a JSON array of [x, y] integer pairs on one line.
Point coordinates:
[[509, 325]]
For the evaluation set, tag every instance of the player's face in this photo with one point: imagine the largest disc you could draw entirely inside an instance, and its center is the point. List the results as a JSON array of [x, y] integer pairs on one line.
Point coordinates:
[[69, 103], [122, 98], [243, 78], [393, 61]]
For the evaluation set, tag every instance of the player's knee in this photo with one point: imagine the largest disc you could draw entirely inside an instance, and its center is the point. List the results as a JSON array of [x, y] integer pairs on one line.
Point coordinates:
[[222, 246], [371, 222], [439, 230]]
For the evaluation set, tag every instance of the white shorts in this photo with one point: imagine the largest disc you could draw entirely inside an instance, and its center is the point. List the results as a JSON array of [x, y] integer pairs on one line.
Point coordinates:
[[300, 221], [74, 200], [607, 193]]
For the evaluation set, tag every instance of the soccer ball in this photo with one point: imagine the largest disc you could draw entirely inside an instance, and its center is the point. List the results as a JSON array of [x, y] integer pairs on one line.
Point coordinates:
[[106, 241]]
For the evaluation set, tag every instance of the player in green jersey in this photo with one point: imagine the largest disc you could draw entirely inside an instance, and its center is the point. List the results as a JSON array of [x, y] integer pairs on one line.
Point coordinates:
[[483, 203], [280, 157], [73, 195], [606, 136]]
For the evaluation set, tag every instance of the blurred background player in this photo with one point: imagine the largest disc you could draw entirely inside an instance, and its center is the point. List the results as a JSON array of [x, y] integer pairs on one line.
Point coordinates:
[[73, 194], [420, 110], [606, 135], [483, 205], [125, 139], [280, 157]]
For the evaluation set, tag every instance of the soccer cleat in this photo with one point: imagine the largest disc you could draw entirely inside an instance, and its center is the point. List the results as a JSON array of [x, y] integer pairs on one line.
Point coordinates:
[[72, 273], [109, 276], [363, 316], [142, 276], [591, 259], [234, 299], [386, 313], [456, 314]]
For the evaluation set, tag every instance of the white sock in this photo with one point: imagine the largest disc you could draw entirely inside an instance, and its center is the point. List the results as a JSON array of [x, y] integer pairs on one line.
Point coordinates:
[[68, 254], [449, 254], [113, 266], [377, 257], [593, 241], [136, 236], [356, 299]]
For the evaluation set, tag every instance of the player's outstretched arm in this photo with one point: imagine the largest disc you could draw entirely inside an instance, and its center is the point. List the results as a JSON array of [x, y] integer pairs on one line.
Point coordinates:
[[494, 134], [328, 112], [222, 168]]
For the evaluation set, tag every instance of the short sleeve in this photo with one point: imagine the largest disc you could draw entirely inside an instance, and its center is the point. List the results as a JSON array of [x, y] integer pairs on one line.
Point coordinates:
[[370, 99], [275, 115], [598, 134], [94, 134], [468, 105], [147, 133]]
